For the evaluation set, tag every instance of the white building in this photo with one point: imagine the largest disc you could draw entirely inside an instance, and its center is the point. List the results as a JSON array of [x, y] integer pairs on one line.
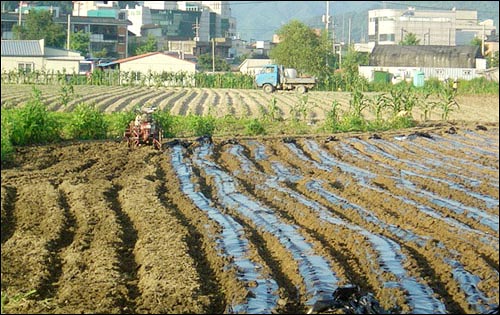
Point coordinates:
[[215, 19], [431, 27], [140, 16], [161, 5], [154, 63], [83, 8], [32, 55]]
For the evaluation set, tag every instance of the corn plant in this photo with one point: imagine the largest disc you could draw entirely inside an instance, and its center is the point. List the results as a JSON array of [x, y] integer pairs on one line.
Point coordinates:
[[272, 112], [357, 103], [300, 110], [426, 106], [447, 102], [378, 104], [332, 120], [67, 93]]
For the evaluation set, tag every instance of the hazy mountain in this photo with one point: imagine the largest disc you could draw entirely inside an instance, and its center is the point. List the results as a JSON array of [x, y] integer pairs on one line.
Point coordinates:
[[259, 20]]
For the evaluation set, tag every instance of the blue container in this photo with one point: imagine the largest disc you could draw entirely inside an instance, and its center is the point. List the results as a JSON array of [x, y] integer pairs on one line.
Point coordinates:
[[418, 79]]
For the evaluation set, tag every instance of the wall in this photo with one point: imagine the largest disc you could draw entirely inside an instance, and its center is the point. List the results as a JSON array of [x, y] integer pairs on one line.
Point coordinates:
[[158, 63], [11, 63], [406, 73]]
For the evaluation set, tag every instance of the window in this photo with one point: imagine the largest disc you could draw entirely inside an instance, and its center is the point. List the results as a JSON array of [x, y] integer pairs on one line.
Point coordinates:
[[386, 37], [26, 67]]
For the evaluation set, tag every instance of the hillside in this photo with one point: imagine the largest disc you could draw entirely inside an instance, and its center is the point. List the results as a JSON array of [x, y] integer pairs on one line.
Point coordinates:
[[259, 20]]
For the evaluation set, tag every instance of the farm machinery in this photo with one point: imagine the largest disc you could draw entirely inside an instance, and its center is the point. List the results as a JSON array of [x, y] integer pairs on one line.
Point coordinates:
[[144, 130]]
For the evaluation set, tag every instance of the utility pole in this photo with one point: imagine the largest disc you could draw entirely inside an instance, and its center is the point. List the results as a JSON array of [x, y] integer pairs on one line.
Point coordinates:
[[327, 17], [19, 20], [482, 42], [213, 55], [349, 36], [69, 30]]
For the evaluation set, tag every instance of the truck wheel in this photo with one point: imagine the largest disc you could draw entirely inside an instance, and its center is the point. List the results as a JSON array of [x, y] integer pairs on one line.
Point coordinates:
[[301, 89], [268, 88]]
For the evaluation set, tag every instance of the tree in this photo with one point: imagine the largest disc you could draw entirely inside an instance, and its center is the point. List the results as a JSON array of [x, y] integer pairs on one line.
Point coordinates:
[[301, 48], [150, 46], [493, 60], [205, 63], [410, 39], [39, 24], [476, 41], [80, 42], [101, 54]]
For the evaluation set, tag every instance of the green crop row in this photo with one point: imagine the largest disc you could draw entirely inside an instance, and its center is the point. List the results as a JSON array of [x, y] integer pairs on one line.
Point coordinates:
[[33, 123], [338, 81]]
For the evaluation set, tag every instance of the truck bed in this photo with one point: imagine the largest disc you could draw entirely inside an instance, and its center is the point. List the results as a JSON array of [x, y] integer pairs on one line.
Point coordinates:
[[299, 81]]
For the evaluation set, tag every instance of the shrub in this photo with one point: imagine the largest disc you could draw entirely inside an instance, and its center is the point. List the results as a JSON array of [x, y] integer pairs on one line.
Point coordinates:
[[87, 123], [166, 122], [254, 127], [201, 125], [118, 122], [7, 147], [33, 123]]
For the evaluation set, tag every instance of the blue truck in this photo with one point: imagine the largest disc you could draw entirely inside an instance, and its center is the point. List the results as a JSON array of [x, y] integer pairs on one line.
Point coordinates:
[[276, 77]]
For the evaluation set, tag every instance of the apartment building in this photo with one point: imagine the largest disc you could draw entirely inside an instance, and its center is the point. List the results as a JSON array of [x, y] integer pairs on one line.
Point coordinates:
[[102, 19], [184, 23], [432, 27]]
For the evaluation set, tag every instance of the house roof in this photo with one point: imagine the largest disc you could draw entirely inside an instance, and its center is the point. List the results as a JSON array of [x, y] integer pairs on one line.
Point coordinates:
[[27, 48], [492, 38], [124, 60], [252, 63], [425, 56]]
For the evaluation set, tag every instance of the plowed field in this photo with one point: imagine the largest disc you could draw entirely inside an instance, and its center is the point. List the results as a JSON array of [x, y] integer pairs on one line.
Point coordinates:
[[255, 225]]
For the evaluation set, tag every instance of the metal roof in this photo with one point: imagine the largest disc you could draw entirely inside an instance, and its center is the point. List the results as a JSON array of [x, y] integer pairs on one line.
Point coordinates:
[[436, 56], [28, 48]]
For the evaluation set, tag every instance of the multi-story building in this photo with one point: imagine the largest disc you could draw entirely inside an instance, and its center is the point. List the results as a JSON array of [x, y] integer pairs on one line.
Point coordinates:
[[103, 20], [106, 24], [207, 24], [194, 26], [436, 27]]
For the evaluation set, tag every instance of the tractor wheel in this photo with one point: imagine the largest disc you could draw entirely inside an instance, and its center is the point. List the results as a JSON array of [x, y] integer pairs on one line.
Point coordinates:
[[157, 142], [133, 139], [160, 138]]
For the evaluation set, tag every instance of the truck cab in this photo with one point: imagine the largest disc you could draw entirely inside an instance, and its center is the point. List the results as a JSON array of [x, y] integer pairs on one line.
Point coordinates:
[[268, 78]]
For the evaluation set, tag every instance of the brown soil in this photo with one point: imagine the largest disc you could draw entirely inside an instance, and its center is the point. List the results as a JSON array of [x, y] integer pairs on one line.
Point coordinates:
[[94, 227]]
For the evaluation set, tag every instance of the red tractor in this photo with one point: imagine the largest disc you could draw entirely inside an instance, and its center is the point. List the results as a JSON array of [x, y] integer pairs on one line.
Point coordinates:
[[144, 130]]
